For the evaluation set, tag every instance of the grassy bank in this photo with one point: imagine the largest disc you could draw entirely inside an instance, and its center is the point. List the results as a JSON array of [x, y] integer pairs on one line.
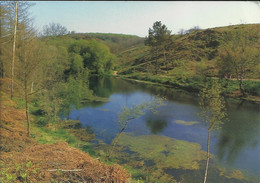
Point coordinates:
[[53, 148], [194, 84]]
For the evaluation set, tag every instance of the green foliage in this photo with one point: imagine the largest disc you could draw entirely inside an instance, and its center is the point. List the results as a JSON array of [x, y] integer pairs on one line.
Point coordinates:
[[21, 172], [49, 136], [250, 86], [130, 113], [157, 35], [77, 65], [41, 121], [212, 105], [116, 42], [240, 55], [95, 56], [73, 92], [212, 111], [194, 56]]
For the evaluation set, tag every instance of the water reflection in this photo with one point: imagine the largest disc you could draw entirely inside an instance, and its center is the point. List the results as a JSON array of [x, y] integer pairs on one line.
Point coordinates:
[[156, 125], [238, 135], [236, 142]]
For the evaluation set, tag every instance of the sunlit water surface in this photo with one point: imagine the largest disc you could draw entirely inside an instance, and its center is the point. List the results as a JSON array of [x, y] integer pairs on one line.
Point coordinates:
[[235, 145]]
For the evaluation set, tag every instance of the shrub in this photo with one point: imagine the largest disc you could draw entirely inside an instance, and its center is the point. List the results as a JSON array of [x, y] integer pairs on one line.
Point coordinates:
[[41, 121]]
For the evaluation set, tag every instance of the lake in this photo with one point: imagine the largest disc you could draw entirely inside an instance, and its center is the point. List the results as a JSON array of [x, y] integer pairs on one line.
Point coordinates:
[[169, 145]]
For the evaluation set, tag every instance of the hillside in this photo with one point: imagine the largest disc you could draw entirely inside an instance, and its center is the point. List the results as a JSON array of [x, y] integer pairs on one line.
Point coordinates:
[[198, 46], [190, 57], [116, 42]]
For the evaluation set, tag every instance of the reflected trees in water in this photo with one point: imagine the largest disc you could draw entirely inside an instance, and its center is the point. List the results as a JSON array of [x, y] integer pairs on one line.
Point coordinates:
[[131, 113]]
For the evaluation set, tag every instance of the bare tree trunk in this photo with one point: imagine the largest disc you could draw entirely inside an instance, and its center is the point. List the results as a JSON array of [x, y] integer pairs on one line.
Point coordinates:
[[15, 27], [240, 82], [165, 61], [27, 107], [241, 86], [156, 67], [32, 88], [27, 115], [208, 158], [2, 65]]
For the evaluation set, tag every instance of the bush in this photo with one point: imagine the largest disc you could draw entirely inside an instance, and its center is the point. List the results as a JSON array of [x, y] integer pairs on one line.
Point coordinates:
[[252, 87], [41, 121]]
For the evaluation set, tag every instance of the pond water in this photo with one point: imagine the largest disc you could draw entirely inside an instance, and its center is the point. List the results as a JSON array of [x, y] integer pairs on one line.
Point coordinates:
[[170, 144]]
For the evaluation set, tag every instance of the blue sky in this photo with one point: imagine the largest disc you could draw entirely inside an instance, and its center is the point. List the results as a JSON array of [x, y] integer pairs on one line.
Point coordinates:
[[135, 17]]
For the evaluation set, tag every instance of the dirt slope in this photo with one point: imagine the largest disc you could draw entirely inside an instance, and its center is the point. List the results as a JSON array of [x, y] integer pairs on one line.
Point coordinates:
[[22, 159]]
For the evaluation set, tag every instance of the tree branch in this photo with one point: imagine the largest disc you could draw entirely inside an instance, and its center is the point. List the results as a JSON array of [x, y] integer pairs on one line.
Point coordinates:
[[62, 170]]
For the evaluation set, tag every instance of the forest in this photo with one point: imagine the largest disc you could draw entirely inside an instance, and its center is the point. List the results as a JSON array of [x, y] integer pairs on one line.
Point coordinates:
[[44, 75]]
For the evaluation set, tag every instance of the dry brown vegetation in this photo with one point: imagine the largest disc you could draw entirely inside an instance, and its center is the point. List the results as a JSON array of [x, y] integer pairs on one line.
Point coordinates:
[[60, 162], [22, 159]]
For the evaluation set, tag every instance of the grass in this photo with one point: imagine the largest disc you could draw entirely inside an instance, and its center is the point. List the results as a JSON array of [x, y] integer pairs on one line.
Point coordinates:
[[190, 58], [195, 83]]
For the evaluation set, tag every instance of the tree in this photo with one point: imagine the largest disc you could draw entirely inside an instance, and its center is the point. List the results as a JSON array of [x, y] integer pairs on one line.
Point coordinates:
[[30, 73], [193, 29], [54, 29], [4, 38], [18, 34], [77, 65], [181, 32], [240, 55], [96, 56], [158, 37], [150, 41], [14, 16], [212, 112], [14, 41], [131, 113]]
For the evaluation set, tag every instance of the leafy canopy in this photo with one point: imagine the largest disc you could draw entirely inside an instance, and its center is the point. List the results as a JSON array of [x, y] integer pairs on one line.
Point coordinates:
[[158, 34], [212, 105]]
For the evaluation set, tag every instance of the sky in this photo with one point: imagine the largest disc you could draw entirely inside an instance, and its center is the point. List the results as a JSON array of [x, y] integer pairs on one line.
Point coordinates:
[[136, 17]]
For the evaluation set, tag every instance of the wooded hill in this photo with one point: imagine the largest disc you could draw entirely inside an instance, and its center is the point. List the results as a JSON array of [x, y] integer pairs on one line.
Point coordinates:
[[116, 42]]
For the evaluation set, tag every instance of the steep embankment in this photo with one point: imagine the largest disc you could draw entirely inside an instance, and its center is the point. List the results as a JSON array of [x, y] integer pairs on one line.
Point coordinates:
[[24, 159]]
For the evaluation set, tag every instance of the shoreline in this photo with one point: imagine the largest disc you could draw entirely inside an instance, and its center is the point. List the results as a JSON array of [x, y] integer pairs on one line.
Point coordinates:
[[250, 98]]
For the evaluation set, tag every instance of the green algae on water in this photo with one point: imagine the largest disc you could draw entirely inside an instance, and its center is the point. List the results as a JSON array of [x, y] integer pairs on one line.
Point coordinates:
[[164, 151], [186, 123]]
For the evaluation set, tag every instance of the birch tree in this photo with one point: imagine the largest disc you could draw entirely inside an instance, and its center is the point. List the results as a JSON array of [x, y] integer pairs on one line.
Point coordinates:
[[13, 55], [30, 72], [212, 112]]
